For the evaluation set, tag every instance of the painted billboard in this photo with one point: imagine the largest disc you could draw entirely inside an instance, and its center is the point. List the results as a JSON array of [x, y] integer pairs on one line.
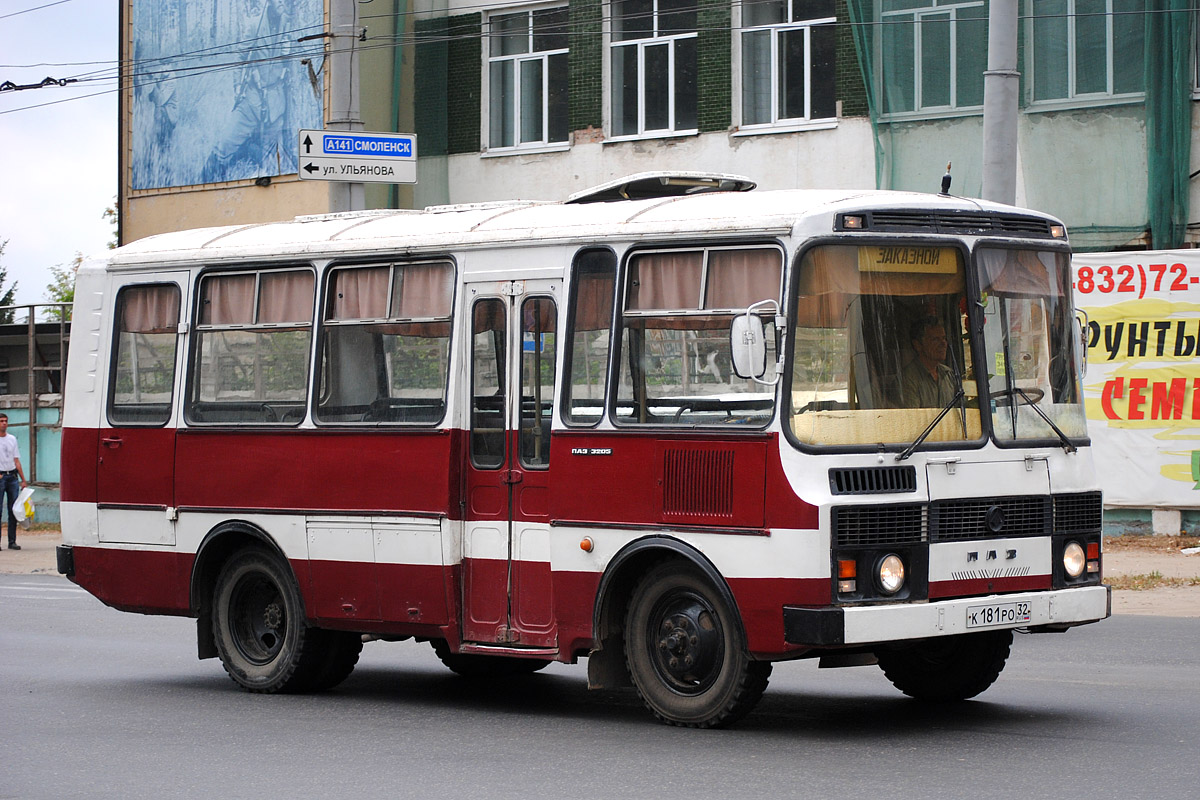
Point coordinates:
[[221, 87], [1142, 385]]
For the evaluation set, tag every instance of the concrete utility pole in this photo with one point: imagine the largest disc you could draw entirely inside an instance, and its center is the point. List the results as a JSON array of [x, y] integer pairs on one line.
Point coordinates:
[[344, 112], [1001, 88]]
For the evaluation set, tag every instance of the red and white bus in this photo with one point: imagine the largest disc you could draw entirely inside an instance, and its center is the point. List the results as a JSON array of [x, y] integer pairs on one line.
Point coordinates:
[[669, 425]]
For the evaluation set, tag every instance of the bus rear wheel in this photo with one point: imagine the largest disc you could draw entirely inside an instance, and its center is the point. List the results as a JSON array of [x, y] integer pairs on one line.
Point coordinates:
[[685, 652], [262, 637], [947, 669]]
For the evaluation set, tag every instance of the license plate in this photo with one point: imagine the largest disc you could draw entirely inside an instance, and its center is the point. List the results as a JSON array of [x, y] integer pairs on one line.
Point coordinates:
[[997, 614]]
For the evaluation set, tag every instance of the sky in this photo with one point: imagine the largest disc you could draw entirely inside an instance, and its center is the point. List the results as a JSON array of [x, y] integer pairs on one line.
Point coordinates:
[[58, 163]]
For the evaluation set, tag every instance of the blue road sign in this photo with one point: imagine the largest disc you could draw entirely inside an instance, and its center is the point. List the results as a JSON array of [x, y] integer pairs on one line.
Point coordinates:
[[358, 156]]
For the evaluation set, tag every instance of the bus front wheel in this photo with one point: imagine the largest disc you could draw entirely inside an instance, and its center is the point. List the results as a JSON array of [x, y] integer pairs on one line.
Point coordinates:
[[947, 669], [685, 653], [262, 637]]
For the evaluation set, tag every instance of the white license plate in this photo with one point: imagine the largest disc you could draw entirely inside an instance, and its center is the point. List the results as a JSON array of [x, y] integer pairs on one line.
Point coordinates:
[[994, 614]]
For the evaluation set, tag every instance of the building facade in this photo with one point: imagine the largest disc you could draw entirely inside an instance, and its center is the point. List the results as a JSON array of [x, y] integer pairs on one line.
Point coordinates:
[[537, 100]]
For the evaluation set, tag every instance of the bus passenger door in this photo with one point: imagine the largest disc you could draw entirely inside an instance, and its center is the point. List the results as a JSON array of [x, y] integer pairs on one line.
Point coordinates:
[[507, 590], [135, 469]]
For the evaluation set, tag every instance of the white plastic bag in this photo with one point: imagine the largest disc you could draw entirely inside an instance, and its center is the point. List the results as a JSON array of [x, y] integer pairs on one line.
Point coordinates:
[[22, 510]]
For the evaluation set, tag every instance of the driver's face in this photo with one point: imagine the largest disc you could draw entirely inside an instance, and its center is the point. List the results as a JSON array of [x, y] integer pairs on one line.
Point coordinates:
[[932, 344]]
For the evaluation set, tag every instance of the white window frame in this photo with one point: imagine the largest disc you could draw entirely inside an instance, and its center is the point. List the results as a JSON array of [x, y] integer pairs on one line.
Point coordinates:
[[611, 90], [1074, 99], [919, 110], [777, 123], [492, 37]]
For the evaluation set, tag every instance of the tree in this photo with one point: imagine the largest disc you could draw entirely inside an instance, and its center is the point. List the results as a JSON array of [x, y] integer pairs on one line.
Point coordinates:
[[7, 296], [62, 288]]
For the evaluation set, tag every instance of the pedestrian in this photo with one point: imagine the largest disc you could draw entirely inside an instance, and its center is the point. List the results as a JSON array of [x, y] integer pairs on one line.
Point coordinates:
[[12, 477]]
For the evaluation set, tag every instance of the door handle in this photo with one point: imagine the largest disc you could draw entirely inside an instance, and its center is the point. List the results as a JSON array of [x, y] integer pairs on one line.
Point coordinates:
[[112, 441]]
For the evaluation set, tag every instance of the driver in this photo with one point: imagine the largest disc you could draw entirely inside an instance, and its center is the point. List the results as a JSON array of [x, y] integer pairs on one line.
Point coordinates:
[[927, 382]]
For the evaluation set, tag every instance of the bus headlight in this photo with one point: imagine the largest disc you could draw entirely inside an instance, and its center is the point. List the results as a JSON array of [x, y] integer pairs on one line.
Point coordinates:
[[890, 573], [1074, 559]]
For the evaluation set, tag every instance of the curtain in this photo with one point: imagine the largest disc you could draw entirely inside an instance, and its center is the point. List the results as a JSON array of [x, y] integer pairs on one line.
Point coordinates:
[[150, 309], [227, 300], [423, 290], [665, 281], [286, 297], [360, 293], [1017, 272], [739, 278]]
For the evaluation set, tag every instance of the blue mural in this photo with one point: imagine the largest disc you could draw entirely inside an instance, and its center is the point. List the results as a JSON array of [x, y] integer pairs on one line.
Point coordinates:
[[221, 88]]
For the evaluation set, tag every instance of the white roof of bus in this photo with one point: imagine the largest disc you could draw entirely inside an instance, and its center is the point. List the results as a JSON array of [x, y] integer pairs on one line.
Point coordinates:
[[445, 228]]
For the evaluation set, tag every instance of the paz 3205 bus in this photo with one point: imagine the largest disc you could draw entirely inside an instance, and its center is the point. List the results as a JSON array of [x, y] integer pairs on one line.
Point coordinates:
[[679, 428]]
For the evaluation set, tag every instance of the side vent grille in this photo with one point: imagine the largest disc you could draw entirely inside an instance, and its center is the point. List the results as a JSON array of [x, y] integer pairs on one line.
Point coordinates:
[[873, 526], [698, 483], [1078, 513], [873, 480]]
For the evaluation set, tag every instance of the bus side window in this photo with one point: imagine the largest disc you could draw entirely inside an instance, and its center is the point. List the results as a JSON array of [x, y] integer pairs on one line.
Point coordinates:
[[589, 338], [143, 370], [251, 352], [385, 353], [539, 345], [487, 384]]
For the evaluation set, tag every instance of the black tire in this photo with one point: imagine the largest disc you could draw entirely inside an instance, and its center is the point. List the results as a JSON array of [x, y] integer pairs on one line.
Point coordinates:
[[262, 637], [685, 652], [341, 651], [480, 667], [948, 669]]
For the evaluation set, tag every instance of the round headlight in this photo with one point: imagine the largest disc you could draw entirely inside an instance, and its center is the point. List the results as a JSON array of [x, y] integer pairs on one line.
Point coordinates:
[[1074, 559], [891, 573]]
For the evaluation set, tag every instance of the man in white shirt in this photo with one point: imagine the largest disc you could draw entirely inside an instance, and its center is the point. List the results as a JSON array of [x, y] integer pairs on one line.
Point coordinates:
[[12, 477]]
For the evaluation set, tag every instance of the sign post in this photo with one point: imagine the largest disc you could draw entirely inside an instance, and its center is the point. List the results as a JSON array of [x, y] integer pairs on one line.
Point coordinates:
[[358, 157]]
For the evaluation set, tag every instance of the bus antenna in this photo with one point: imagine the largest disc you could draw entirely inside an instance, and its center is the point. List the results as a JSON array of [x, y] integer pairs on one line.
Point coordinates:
[[946, 181]]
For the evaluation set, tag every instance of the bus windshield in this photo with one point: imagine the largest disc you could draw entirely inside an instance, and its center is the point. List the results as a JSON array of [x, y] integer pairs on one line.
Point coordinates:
[[880, 347], [1033, 378]]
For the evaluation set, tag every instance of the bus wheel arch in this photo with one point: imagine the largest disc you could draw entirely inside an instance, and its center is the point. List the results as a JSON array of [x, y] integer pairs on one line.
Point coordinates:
[[607, 662], [217, 547]]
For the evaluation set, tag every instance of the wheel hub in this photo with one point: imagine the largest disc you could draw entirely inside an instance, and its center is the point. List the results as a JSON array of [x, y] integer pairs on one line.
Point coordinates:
[[688, 644]]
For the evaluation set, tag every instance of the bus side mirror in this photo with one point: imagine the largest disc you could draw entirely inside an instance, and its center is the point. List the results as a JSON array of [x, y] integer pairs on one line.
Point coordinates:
[[748, 346], [1082, 328]]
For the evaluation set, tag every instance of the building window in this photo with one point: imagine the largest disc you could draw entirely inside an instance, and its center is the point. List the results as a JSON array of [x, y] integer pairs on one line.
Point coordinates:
[[653, 67], [527, 78], [788, 52], [934, 53], [1086, 49]]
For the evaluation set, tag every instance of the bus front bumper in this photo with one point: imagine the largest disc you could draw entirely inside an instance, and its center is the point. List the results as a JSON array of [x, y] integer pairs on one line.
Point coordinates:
[[1045, 611]]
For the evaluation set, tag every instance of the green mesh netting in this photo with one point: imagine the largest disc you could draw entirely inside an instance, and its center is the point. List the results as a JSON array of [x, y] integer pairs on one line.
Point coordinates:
[[1104, 130]]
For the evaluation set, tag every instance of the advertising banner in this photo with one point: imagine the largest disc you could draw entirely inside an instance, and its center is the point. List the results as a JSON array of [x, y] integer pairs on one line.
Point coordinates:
[[1142, 386], [220, 88]]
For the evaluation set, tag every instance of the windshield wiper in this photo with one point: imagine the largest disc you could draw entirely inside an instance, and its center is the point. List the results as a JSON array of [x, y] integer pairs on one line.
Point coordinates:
[[908, 451], [1062, 437]]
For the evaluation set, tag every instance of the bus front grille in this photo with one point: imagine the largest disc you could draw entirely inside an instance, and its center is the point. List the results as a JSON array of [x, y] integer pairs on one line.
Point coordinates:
[[1078, 513], [988, 517], [872, 526]]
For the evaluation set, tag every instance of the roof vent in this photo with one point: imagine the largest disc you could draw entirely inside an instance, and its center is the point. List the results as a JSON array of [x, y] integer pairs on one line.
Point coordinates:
[[647, 185]]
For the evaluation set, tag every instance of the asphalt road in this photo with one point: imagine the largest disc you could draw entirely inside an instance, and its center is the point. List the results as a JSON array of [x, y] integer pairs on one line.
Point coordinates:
[[96, 704]]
